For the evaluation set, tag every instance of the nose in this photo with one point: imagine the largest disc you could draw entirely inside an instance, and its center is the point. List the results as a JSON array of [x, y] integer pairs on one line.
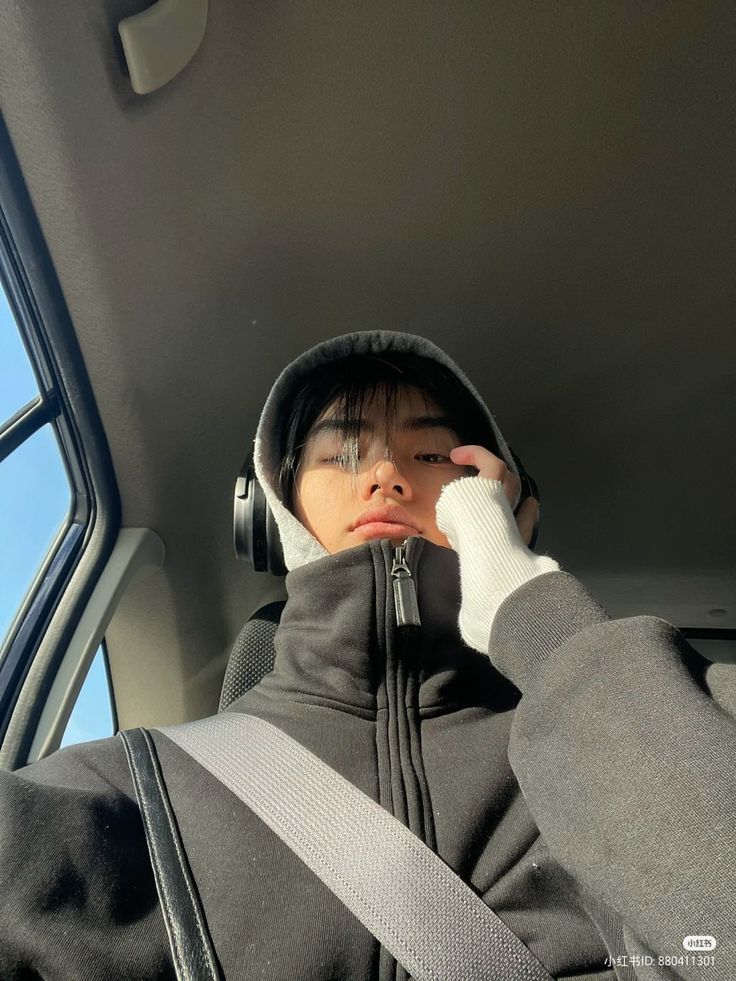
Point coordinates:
[[386, 476]]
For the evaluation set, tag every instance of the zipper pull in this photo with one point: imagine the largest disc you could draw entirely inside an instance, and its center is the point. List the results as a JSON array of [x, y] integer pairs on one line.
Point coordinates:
[[405, 594]]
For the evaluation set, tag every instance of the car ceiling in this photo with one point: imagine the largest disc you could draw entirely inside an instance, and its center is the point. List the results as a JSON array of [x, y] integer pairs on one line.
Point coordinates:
[[543, 189]]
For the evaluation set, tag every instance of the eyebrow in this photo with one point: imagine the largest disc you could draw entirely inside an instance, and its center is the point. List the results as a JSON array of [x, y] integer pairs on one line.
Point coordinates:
[[411, 424]]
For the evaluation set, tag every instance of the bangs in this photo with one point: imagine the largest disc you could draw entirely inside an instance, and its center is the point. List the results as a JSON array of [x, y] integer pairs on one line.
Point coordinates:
[[345, 416]]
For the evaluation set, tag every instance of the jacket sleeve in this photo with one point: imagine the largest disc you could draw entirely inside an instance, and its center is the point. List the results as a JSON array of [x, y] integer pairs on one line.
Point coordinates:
[[78, 895], [626, 758]]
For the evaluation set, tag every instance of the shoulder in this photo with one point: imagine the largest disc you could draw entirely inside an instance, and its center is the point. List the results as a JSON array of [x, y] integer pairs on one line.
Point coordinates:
[[71, 804], [95, 767]]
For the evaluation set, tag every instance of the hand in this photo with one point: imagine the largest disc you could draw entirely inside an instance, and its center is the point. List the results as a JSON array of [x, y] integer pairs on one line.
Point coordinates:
[[476, 515], [494, 468]]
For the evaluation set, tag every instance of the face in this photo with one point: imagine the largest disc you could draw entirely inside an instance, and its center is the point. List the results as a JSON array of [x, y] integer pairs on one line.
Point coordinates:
[[406, 479]]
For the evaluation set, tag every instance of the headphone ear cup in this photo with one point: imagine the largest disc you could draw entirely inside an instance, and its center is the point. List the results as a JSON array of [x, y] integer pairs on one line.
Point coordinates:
[[535, 533], [255, 532], [274, 548], [528, 489]]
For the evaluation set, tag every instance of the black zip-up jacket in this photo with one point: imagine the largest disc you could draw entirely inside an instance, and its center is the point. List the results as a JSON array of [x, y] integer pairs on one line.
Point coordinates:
[[618, 753]]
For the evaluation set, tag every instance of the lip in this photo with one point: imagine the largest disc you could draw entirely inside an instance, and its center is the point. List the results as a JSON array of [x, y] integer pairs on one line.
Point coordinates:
[[385, 529], [385, 516]]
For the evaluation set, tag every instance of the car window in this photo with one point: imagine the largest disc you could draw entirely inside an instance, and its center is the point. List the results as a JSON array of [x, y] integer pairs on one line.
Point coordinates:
[[35, 492], [18, 384], [92, 716]]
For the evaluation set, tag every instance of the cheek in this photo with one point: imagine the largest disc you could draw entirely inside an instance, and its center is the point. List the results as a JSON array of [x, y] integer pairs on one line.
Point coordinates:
[[432, 486], [318, 496], [435, 482]]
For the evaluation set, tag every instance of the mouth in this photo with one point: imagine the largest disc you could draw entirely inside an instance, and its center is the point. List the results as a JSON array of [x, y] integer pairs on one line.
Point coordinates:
[[385, 529], [390, 521]]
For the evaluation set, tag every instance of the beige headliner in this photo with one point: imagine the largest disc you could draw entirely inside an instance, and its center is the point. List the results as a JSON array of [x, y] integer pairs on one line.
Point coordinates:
[[545, 190]]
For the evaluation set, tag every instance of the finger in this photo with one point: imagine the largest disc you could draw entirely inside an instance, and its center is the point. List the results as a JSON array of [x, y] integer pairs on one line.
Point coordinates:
[[486, 463], [526, 519]]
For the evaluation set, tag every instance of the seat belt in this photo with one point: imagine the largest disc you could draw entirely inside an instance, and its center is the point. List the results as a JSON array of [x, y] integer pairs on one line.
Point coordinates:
[[434, 924]]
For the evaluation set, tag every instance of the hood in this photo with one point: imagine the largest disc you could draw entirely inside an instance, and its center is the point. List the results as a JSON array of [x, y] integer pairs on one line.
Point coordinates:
[[299, 545]]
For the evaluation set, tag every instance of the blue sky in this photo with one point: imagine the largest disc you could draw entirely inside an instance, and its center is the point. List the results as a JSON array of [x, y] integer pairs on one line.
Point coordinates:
[[35, 499]]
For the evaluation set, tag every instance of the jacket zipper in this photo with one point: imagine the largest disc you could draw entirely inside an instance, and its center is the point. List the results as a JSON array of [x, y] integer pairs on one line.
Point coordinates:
[[405, 593], [407, 788]]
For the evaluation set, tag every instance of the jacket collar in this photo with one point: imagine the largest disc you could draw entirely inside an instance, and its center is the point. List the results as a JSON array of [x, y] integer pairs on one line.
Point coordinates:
[[338, 638]]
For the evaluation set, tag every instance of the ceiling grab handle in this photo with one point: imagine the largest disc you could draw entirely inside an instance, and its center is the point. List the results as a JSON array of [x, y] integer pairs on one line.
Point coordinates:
[[160, 41]]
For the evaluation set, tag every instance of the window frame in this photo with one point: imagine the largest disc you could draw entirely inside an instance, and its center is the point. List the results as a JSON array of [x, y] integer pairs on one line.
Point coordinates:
[[102, 653], [30, 419], [66, 401]]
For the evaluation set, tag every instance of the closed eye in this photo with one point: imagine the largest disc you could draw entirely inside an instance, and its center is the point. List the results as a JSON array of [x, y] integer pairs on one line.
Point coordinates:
[[428, 457]]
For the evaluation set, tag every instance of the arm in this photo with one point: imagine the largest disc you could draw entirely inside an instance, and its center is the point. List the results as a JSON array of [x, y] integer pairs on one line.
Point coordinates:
[[626, 764], [78, 895], [625, 761]]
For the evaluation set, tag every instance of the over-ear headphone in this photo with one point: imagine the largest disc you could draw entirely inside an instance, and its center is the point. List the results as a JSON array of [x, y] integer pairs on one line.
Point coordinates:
[[256, 534], [255, 531]]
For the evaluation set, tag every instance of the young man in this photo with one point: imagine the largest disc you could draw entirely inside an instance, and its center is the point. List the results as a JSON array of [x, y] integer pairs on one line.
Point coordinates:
[[571, 769]]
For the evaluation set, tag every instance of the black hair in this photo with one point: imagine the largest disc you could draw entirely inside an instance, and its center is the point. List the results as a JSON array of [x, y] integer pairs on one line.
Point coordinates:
[[354, 382]]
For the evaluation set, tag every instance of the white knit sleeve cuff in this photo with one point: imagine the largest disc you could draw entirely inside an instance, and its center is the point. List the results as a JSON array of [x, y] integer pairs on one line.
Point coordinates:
[[476, 516]]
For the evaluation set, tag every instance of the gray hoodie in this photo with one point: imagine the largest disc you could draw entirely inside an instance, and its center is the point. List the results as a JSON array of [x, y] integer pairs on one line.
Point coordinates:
[[579, 779]]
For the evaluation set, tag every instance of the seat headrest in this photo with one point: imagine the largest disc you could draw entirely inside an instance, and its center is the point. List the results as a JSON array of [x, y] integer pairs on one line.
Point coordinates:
[[253, 653]]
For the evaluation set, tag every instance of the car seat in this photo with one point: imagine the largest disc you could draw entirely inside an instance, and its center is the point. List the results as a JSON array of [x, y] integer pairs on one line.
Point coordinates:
[[253, 653]]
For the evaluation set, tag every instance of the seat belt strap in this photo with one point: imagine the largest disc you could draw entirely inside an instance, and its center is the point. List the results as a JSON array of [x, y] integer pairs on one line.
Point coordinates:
[[191, 947], [409, 899]]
